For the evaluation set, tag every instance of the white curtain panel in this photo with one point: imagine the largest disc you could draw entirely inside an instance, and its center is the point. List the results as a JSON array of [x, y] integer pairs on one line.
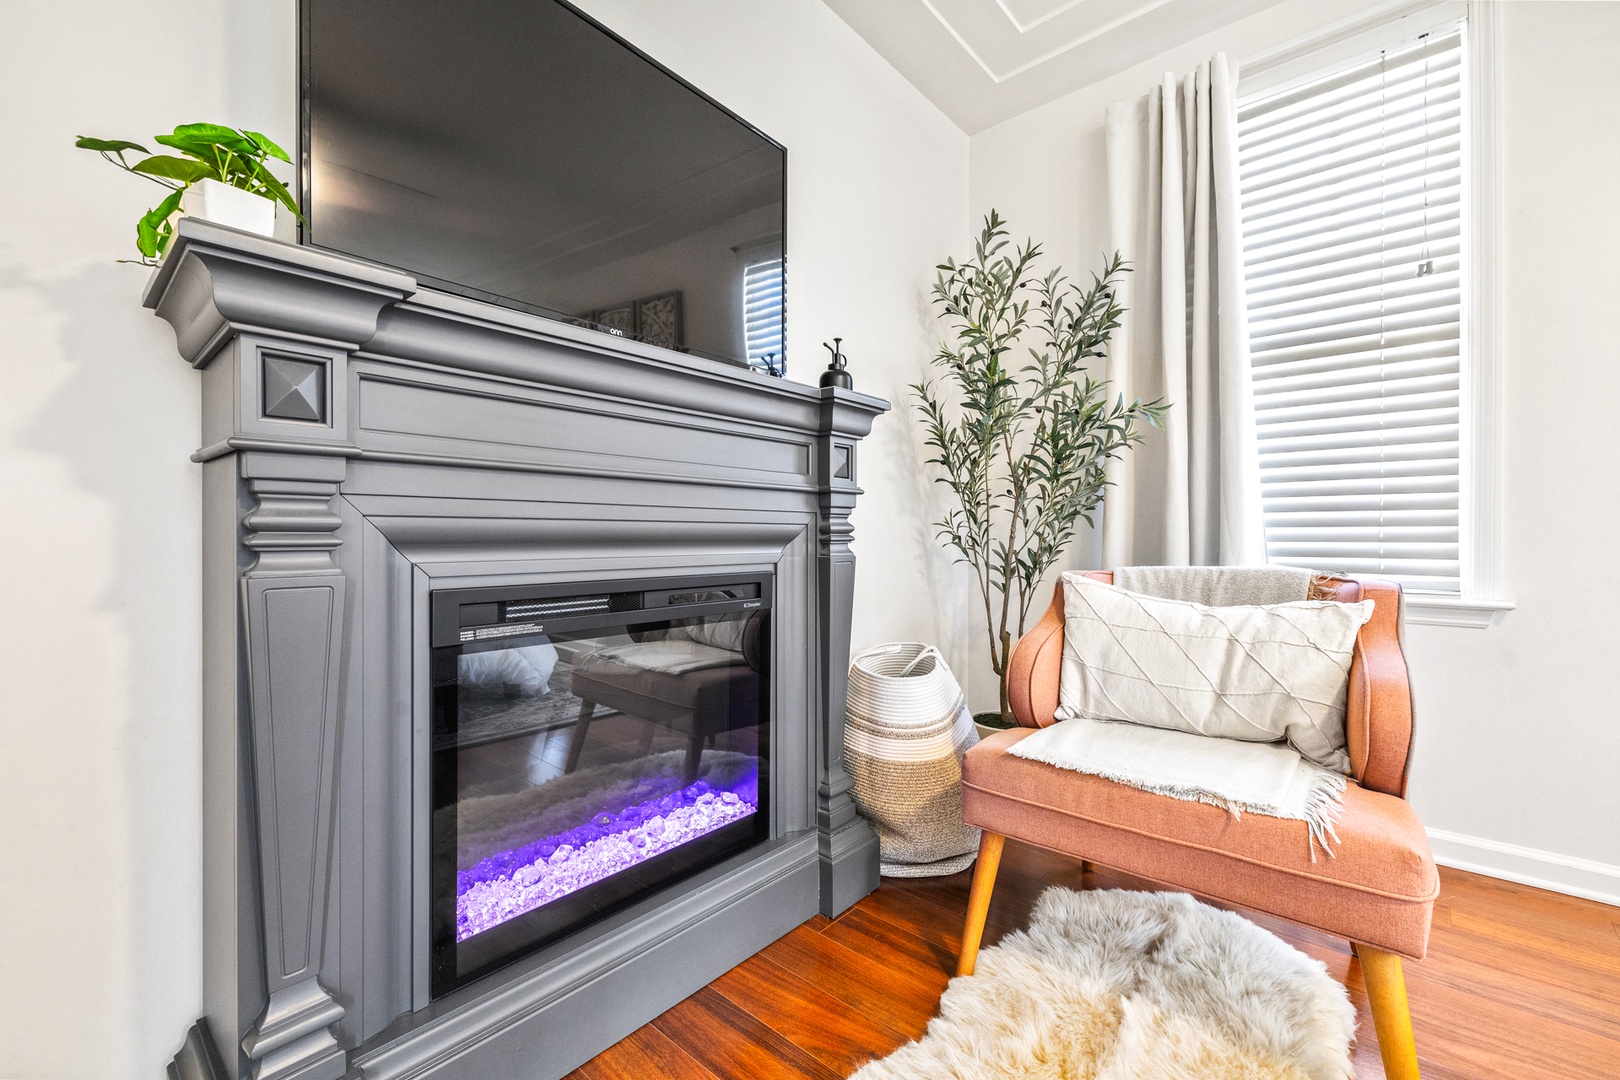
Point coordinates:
[[1189, 494]]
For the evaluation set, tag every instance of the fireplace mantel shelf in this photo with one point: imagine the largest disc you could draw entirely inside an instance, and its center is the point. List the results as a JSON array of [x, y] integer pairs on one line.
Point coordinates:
[[218, 281], [367, 441]]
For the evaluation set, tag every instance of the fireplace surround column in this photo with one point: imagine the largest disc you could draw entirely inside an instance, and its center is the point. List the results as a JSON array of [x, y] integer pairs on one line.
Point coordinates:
[[293, 603], [366, 442], [848, 846]]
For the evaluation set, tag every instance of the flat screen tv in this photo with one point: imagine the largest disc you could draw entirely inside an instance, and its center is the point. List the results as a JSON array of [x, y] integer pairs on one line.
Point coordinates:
[[518, 152]]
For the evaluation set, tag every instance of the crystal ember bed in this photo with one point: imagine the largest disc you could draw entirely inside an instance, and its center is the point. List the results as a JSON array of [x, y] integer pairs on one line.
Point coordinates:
[[513, 882]]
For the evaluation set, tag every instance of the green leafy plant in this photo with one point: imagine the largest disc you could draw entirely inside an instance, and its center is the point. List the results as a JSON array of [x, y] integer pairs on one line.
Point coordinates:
[[210, 152], [1022, 451]]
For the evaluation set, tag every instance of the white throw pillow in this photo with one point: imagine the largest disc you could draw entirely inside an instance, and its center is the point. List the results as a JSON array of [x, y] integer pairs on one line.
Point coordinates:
[[528, 668], [1260, 674]]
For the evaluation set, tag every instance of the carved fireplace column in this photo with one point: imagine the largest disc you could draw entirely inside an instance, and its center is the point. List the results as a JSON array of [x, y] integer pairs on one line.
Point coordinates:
[[293, 606], [848, 843]]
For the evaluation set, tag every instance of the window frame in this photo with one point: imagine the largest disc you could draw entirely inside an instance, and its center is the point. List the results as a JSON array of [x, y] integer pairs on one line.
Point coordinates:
[[1482, 600]]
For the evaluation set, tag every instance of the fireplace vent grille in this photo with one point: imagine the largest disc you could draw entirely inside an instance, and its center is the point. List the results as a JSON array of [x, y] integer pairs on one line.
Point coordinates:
[[524, 610]]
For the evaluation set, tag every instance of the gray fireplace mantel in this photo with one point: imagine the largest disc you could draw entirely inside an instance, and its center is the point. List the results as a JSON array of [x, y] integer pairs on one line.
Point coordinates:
[[365, 441]]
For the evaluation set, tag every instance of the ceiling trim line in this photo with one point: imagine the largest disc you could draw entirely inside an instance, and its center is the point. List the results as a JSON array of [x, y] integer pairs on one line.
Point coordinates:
[[962, 41], [1039, 60], [1024, 29]]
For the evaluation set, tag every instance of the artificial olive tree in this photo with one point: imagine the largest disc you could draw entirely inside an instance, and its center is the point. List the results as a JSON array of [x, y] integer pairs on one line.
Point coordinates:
[[1022, 449]]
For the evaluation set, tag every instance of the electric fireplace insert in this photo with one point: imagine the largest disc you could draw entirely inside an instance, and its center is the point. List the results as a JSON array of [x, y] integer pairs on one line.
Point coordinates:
[[591, 744]]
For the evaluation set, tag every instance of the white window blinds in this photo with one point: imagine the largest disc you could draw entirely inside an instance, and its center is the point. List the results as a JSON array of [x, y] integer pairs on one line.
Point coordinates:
[[1352, 218], [762, 314]]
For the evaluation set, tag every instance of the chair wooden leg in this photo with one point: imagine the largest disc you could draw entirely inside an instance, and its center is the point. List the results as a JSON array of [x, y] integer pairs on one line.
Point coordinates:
[[984, 883], [576, 742], [1386, 992], [694, 756]]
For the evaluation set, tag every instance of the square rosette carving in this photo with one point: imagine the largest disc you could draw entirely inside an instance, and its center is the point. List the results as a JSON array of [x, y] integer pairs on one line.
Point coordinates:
[[293, 389]]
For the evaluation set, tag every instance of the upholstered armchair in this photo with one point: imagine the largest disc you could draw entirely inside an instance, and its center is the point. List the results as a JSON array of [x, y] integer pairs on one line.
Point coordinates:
[[1377, 890]]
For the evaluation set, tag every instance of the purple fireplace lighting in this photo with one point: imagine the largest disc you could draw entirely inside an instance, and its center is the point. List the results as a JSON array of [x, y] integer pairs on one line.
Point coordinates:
[[513, 882]]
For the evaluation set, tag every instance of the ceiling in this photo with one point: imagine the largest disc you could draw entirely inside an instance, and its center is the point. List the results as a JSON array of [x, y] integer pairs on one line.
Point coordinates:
[[984, 61]]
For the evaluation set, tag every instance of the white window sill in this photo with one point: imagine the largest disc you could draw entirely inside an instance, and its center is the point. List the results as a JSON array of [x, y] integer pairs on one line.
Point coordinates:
[[1433, 610]]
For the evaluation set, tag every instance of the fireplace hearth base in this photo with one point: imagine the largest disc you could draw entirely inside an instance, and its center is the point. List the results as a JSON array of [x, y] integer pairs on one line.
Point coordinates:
[[447, 444]]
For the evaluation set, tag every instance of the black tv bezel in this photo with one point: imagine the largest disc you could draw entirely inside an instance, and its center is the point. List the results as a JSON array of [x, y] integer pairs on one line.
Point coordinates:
[[303, 168]]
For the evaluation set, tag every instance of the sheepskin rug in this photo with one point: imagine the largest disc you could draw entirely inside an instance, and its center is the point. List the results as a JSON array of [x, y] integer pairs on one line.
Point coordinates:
[[1117, 985]]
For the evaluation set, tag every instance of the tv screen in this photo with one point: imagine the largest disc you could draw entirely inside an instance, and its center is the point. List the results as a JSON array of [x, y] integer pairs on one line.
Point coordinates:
[[517, 152]]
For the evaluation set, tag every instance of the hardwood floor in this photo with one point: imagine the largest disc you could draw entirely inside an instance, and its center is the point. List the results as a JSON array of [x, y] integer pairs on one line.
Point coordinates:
[[1518, 983]]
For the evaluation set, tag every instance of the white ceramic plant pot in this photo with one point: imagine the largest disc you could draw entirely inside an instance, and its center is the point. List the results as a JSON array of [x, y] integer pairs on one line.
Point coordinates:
[[226, 205]]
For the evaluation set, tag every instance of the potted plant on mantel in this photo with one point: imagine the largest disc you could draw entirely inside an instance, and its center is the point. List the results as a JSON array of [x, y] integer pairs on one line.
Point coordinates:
[[1022, 451], [222, 176]]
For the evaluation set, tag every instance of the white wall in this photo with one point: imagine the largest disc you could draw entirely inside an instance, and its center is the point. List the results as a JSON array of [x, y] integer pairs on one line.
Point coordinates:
[[99, 711], [100, 958], [1518, 727]]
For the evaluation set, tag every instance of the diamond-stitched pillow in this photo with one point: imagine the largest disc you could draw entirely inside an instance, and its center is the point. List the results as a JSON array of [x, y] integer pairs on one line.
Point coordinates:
[[1260, 674]]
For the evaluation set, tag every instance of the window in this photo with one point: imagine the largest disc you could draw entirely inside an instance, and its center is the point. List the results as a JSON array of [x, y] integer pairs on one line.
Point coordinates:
[[762, 314], [1354, 223]]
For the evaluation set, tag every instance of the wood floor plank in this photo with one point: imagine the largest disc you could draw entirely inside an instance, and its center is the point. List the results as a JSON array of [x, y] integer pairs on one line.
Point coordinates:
[[1486, 1039], [838, 1035], [1565, 944], [1565, 992], [644, 1052], [872, 977], [1524, 904], [926, 951], [733, 1045], [914, 914]]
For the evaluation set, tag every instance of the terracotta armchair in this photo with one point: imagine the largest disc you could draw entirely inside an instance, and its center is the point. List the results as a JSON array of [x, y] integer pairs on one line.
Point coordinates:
[[1378, 891]]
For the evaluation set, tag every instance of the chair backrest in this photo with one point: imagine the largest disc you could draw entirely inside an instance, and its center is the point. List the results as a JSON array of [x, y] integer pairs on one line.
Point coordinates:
[[1378, 720]]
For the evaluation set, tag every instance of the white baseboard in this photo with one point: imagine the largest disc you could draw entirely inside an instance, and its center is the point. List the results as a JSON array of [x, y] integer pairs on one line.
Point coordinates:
[[1585, 878]]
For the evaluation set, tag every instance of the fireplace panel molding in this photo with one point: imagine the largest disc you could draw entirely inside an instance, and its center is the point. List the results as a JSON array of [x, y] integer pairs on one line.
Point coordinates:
[[541, 429], [367, 442]]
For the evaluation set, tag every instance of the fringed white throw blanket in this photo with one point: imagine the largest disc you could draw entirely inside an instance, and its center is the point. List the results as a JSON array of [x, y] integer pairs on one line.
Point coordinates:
[[1261, 778]]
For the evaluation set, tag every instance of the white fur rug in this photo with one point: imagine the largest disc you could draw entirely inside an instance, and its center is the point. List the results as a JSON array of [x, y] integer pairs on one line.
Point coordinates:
[[1117, 985]]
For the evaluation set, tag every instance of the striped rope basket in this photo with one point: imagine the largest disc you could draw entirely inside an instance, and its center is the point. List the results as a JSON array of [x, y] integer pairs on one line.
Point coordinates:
[[907, 729]]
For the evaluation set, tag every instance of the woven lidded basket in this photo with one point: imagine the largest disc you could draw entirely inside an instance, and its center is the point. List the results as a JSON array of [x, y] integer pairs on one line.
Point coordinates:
[[907, 729]]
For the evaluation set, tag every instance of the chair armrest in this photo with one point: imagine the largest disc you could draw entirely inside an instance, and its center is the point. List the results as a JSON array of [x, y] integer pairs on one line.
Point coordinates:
[[1037, 660], [1032, 670], [1378, 717]]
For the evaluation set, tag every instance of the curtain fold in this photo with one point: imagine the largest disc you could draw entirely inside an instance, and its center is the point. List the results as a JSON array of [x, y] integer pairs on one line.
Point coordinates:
[[1189, 494]]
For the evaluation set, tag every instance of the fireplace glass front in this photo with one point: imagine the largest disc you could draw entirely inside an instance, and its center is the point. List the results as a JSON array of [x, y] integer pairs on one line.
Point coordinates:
[[591, 744]]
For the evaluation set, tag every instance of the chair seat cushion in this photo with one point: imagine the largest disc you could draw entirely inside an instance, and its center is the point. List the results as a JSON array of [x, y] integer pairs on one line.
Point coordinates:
[[1378, 887]]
